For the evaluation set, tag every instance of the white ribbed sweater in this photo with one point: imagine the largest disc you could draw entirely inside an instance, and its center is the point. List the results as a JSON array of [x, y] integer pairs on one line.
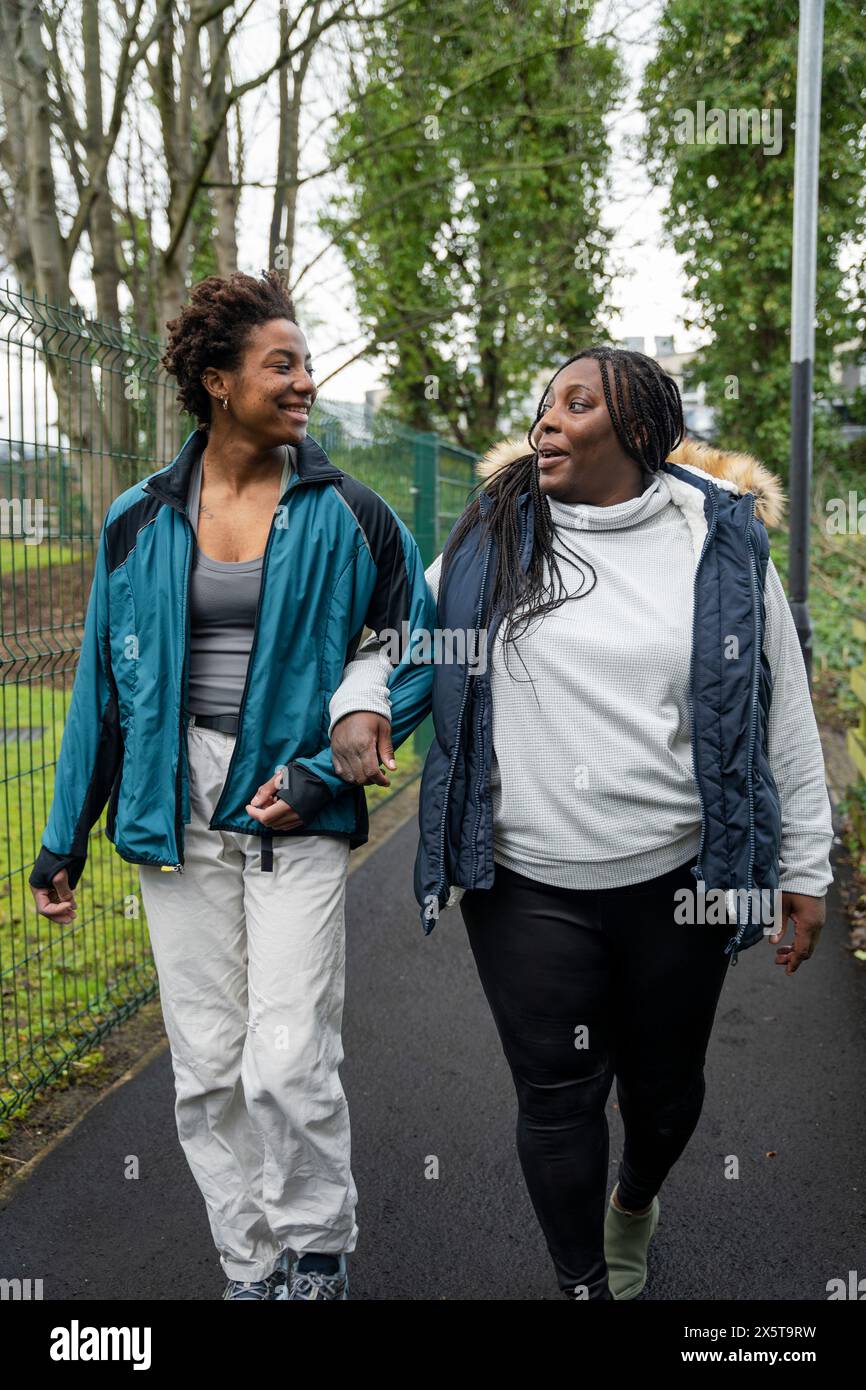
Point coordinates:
[[592, 778]]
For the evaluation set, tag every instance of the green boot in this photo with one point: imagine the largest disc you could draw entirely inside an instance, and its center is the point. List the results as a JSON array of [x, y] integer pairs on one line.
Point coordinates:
[[626, 1241]]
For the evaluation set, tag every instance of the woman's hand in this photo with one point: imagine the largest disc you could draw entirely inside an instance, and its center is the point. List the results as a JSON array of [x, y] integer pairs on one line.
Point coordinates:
[[809, 915], [267, 808], [359, 743], [57, 903]]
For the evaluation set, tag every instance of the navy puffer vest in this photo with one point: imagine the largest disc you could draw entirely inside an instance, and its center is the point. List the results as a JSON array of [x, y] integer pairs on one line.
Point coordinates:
[[731, 690]]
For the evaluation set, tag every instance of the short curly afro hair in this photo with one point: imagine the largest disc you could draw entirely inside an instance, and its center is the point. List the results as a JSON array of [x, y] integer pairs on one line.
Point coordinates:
[[212, 329]]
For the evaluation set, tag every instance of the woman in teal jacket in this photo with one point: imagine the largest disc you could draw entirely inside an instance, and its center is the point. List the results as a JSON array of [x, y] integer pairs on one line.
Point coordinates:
[[231, 588]]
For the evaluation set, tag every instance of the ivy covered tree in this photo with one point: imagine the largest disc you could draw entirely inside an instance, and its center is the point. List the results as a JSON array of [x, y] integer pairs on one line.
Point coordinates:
[[730, 208], [475, 154]]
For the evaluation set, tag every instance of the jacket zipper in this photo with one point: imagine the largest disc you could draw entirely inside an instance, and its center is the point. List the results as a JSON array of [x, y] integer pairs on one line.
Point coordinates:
[[698, 870], [441, 882], [753, 724], [478, 796], [754, 721], [480, 784], [178, 825]]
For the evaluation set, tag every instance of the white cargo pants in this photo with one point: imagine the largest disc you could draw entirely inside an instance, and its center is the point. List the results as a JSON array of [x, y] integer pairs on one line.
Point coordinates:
[[251, 975]]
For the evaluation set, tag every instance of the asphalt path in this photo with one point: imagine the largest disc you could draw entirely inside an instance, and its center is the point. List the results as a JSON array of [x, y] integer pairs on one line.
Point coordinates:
[[429, 1091]]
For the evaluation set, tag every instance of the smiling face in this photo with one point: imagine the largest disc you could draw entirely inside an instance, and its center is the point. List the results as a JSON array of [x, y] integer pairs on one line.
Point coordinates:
[[271, 392], [580, 457]]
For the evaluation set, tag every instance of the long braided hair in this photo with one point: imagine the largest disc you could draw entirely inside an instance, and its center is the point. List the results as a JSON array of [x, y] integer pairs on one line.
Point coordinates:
[[647, 415]]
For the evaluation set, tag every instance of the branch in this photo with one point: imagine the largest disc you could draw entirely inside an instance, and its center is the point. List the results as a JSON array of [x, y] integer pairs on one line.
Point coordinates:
[[432, 182], [386, 333], [435, 111], [129, 61], [234, 95]]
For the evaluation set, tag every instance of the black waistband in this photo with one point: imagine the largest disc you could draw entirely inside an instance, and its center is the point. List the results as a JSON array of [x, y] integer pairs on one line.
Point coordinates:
[[225, 723]]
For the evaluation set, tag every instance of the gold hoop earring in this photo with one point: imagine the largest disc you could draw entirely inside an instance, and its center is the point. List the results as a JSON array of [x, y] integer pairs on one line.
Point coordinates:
[[225, 402]]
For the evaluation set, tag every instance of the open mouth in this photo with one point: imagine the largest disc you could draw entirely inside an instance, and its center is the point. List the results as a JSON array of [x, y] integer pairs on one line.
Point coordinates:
[[297, 411], [548, 456]]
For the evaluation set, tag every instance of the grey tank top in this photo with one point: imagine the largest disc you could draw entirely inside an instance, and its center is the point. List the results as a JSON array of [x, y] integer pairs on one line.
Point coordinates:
[[223, 598]]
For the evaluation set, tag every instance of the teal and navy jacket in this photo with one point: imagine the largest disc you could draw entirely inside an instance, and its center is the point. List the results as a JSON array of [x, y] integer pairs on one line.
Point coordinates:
[[337, 560]]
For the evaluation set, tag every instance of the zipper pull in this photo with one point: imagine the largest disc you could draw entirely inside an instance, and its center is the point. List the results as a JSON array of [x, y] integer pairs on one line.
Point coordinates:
[[171, 868]]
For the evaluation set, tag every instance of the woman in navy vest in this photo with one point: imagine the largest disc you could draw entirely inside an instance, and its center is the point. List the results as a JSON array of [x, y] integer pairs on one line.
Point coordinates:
[[639, 730]]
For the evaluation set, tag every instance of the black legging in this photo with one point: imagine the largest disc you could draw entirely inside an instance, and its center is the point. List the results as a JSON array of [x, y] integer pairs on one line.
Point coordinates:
[[585, 985]]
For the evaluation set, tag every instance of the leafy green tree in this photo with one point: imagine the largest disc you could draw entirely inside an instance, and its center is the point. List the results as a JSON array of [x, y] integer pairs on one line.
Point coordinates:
[[730, 209], [475, 155]]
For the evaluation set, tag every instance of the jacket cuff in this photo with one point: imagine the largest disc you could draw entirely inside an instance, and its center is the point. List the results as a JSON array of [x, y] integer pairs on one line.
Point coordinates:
[[373, 700], [48, 864], [306, 793], [800, 883]]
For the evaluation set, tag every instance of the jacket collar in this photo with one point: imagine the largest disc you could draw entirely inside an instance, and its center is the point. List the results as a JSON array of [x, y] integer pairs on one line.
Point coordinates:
[[691, 462], [171, 484], [690, 489]]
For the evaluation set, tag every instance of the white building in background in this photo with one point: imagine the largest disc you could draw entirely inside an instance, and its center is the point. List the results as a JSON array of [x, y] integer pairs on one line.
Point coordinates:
[[845, 378], [699, 417]]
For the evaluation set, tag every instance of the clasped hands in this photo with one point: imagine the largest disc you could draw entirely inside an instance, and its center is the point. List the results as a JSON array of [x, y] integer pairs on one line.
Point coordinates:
[[360, 742]]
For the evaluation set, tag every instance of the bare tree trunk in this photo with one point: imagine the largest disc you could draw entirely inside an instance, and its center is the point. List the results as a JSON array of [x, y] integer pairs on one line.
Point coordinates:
[[117, 386], [281, 246], [224, 194], [276, 242], [51, 269], [290, 200], [103, 233], [16, 238], [67, 358], [175, 113]]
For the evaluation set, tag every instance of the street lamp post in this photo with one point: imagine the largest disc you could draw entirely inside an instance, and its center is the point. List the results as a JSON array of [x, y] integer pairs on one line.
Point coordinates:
[[803, 271]]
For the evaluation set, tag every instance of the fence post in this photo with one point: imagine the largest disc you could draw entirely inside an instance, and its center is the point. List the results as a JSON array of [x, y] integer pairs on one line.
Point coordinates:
[[331, 435], [426, 494], [64, 520]]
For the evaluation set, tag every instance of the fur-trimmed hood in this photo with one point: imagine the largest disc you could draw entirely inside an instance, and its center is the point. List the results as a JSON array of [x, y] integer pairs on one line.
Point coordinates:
[[736, 472]]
